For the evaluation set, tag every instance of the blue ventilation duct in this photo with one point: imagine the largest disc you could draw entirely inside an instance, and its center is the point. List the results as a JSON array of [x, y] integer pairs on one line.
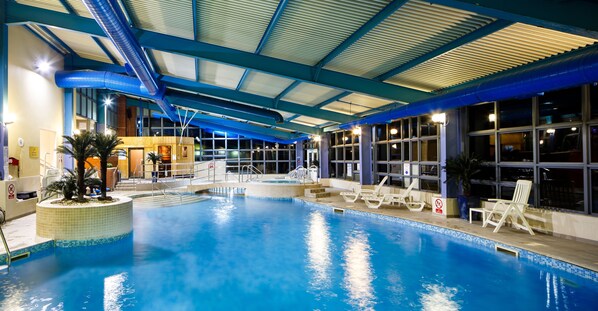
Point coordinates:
[[131, 85], [111, 19], [568, 70]]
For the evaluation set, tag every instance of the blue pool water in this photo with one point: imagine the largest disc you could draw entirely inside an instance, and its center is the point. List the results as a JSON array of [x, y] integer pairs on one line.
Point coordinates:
[[251, 254]]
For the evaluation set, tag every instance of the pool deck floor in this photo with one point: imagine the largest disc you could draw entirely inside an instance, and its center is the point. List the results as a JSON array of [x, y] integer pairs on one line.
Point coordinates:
[[20, 233]]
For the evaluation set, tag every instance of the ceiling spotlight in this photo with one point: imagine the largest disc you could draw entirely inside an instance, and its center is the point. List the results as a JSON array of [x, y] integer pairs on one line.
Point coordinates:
[[43, 66]]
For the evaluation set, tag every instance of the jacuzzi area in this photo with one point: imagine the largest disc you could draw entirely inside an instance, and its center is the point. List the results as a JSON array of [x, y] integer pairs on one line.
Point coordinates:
[[278, 188]]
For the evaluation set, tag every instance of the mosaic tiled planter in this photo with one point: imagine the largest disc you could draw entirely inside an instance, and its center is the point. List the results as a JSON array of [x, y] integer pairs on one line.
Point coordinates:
[[85, 225]]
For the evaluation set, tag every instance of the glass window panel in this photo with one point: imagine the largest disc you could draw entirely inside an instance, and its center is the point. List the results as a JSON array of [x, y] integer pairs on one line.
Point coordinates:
[[218, 134], [428, 185], [220, 153], [283, 146], [155, 122], [269, 145], [594, 176], [414, 127], [348, 137], [560, 145], [331, 154], [406, 149], [379, 178], [283, 155], [348, 153], [515, 113], [484, 191], [427, 127], [560, 106], [245, 155], [429, 150], [394, 130], [478, 117], [429, 170], [415, 151], [396, 181], [486, 173], [382, 168], [395, 151], [396, 168], [516, 147], [168, 132], [167, 123], [355, 153], [405, 129], [244, 144], [382, 152], [258, 144], [257, 155], [219, 144], [270, 154], [594, 143], [270, 168], [594, 100], [292, 154], [206, 144], [561, 188], [232, 144], [283, 167], [232, 154], [145, 122], [206, 134], [516, 173], [483, 146], [380, 132]]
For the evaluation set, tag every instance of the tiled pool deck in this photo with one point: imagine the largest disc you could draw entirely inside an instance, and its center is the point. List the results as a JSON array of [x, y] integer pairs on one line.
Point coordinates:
[[20, 233]]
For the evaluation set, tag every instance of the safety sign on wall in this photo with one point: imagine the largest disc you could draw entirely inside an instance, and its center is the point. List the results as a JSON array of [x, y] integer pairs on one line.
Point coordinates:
[[439, 206], [11, 191]]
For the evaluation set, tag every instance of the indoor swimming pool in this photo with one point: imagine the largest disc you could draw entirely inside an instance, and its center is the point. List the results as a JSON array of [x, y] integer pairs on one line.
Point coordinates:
[[233, 253]]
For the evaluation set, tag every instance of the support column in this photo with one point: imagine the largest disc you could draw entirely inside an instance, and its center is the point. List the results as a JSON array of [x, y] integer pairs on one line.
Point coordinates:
[[3, 89], [324, 157], [450, 146], [365, 156], [68, 122], [299, 154]]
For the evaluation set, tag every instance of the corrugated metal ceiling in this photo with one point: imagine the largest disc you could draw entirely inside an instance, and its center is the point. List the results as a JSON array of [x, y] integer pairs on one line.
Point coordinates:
[[171, 17], [235, 24], [264, 84], [345, 108], [310, 94], [82, 44], [364, 100], [309, 30], [79, 8], [414, 30], [219, 74], [175, 65], [309, 121], [513, 46]]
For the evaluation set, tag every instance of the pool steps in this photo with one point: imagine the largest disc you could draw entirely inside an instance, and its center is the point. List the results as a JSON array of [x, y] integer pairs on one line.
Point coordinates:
[[316, 193]]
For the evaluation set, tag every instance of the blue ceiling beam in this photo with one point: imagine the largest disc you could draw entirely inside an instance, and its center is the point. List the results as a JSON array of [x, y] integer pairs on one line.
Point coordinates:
[[273, 21], [576, 17], [362, 31], [68, 7], [252, 99], [77, 62], [23, 14], [195, 35], [470, 37]]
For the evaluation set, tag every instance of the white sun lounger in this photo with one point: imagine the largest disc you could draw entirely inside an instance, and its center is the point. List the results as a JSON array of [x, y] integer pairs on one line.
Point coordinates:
[[400, 199], [355, 195], [512, 209]]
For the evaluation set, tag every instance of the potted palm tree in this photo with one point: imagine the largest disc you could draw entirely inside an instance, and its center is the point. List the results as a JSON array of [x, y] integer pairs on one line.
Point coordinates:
[[105, 146], [154, 157], [80, 147], [461, 169], [67, 185]]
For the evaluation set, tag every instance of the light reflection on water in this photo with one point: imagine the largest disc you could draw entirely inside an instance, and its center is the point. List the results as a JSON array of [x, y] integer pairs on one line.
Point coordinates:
[[116, 291], [223, 210], [358, 271], [318, 252], [438, 297]]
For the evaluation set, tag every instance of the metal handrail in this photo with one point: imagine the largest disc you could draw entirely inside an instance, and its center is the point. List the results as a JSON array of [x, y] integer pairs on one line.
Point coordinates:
[[8, 255], [251, 171]]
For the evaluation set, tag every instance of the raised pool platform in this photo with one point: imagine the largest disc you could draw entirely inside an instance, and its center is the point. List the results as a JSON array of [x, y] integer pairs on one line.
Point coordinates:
[[85, 225]]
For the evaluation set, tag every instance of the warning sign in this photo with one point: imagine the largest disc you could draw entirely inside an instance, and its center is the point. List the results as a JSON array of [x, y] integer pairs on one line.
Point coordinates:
[[439, 206], [11, 191]]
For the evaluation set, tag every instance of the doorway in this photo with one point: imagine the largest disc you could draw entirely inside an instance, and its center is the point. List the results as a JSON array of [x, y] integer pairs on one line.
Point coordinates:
[[312, 158], [136, 163]]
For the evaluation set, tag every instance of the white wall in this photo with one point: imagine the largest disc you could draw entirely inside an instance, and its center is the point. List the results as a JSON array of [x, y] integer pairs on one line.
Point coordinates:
[[33, 98]]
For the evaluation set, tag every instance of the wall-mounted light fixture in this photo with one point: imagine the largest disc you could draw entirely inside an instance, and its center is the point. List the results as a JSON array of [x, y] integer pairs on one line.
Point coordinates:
[[43, 66], [357, 131], [317, 138], [439, 118], [394, 131], [550, 131], [492, 117]]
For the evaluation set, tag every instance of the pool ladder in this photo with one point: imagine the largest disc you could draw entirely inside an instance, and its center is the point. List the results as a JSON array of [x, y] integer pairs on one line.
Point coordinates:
[[8, 256]]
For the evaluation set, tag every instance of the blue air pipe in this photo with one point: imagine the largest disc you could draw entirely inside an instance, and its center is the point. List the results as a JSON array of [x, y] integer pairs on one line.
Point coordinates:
[[132, 86], [110, 18], [569, 70], [245, 133]]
